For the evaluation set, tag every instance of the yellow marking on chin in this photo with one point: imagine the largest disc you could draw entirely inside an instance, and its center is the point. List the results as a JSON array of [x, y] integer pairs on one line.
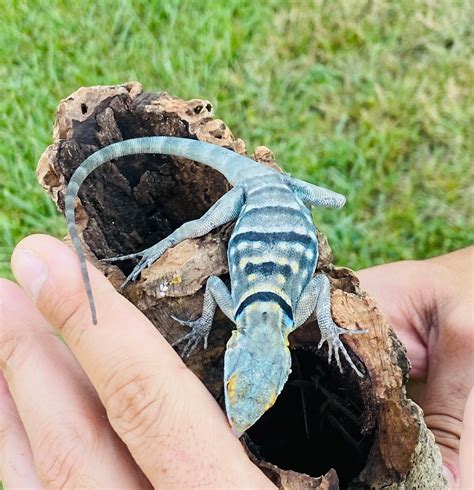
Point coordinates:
[[281, 279], [252, 277], [231, 387], [271, 402]]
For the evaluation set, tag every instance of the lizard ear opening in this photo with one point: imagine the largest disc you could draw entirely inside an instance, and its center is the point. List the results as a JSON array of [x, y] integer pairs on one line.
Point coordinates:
[[312, 428]]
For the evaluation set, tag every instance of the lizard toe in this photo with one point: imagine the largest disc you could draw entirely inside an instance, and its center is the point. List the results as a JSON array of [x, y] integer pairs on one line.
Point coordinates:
[[199, 332], [335, 346], [122, 257]]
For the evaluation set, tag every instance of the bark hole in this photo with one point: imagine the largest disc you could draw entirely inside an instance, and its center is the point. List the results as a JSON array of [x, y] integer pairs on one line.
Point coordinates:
[[316, 405]]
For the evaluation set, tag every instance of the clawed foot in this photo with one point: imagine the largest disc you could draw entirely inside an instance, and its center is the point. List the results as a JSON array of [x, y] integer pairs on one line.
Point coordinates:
[[148, 256], [200, 329], [331, 336]]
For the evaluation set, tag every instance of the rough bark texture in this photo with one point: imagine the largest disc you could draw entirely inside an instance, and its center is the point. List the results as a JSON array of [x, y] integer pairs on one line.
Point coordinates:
[[357, 433]]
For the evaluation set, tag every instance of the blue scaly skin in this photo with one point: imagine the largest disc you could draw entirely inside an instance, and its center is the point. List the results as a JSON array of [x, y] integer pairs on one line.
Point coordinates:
[[272, 256]]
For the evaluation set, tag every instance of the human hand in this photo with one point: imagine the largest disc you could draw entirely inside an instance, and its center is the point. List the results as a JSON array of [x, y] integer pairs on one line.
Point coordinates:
[[430, 304], [111, 406]]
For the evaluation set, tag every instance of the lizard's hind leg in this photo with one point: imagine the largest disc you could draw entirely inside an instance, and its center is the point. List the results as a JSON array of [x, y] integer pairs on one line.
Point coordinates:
[[314, 195], [216, 294], [317, 297], [226, 209]]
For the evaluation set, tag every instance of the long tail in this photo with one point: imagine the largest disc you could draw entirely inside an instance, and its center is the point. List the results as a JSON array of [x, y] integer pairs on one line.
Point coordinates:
[[232, 165]]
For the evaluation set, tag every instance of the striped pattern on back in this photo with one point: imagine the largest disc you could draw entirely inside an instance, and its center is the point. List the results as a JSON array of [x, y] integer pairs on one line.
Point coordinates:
[[232, 165], [273, 249]]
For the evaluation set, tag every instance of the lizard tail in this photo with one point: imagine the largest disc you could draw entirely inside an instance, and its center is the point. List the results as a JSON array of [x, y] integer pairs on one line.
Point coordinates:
[[232, 165], [116, 150]]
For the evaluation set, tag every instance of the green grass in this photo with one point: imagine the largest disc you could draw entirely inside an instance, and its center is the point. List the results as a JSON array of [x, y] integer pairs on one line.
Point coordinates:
[[371, 99]]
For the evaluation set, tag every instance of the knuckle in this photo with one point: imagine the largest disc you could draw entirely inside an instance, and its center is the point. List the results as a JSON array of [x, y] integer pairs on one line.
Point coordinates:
[[12, 339], [70, 309], [67, 309], [8, 347], [136, 402], [62, 452], [446, 429], [16, 349]]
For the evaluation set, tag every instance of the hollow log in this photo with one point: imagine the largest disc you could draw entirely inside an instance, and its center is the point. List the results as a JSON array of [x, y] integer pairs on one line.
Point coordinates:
[[327, 430]]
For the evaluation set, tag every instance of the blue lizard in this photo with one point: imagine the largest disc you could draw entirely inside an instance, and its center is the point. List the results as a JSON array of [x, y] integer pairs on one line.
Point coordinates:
[[272, 256]]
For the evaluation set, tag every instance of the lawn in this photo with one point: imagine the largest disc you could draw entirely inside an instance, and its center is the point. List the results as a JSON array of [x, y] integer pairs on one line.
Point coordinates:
[[371, 99]]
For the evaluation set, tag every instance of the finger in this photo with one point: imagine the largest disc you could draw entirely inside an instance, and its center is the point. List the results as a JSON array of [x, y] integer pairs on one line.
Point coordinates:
[[72, 443], [172, 426], [17, 468]]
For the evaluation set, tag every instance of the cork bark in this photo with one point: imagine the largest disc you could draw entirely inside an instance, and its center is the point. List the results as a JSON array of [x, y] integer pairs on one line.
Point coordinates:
[[327, 430]]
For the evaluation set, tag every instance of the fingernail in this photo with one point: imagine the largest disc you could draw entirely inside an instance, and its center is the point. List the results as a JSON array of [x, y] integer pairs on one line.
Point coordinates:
[[30, 271], [448, 474]]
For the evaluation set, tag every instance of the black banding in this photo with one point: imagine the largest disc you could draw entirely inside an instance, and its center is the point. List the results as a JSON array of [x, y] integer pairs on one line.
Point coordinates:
[[273, 237], [268, 297], [267, 269]]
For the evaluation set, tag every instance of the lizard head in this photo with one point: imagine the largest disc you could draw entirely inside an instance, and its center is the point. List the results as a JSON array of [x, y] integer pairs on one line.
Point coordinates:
[[257, 364]]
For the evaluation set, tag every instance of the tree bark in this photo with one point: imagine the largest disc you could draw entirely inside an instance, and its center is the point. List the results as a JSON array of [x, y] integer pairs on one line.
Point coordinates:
[[355, 432]]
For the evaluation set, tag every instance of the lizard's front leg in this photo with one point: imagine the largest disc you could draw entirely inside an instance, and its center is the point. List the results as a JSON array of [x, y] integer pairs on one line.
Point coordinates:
[[317, 297], [216, 294], [226, 209]]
